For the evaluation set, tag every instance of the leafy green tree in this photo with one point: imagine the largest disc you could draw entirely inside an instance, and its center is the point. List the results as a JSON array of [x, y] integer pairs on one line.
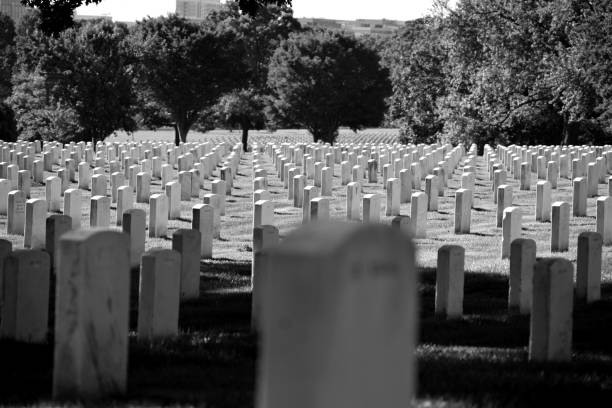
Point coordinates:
[[56, 15], [416, 58], [40, 116], [80, 80], [243, 108], [258, 37], [7, 54], [8, 125], [322, 80], [252, 7], [184, 68]]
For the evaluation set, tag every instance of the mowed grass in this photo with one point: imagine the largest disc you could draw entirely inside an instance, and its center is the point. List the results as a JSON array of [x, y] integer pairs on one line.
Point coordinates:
[[480, 360]]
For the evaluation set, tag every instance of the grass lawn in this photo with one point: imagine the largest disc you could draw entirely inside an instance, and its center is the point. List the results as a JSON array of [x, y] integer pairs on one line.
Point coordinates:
[[480, 360]]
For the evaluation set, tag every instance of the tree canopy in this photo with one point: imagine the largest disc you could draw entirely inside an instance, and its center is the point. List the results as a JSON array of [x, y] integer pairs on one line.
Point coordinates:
[[322, 80], [56, 15], [80, 88], [183, 68]]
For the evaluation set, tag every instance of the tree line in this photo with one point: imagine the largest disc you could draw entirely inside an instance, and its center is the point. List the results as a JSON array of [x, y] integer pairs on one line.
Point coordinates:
[[232, 69], [497, 71], [483, 71]]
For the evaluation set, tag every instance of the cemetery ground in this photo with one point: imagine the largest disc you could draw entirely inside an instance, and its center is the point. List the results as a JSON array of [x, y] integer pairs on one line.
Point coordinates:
[[478, 360]]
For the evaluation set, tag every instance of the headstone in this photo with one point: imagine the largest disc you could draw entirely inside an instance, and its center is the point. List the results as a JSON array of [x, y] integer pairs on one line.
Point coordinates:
[[159, 294], [99, 215], [98, 185], [310, 192], [134, 225], [16, 213], [319, 209], [371, 208], [559, 240], [588, 267], [173, 194], [543, 193], [418, 214], [580, 197], [463, 211], [24, 182], [431, 189], [53, 195], [25, 308], [393, 197], [125, 201], [143, 187], [353, 201], [511, 229], [35, 218], [299, 182], [72, 206], [504, 200], [525, 176], [185, 182], [214, 201], [91, 315], [405, 185], [263, 213], [313, 352], [552, 174], [5, 188], [188, 242], [218, 187], [449, 281], [522, 262], [402, 222], [550, 337], [56, 225], [604, 219], [327, 181], [592, 179], [158, 216], [203, 221], [264, 237]]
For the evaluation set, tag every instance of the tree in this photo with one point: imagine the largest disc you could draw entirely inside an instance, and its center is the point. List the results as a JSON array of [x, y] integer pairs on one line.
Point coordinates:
[[416, 58], [322, 80], [56, 15], [80, 87], [252, 7], [184, 68], [258, 37], [7, 54], [243, 108], [8, 126], [40, 116]]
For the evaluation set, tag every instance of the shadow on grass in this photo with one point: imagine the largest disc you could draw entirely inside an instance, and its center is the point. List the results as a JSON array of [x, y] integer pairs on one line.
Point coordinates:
[[479, 360]]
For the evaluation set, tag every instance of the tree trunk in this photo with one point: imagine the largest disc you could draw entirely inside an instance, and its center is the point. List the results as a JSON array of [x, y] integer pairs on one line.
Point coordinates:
[[565, 130], [182, 129], [177, 138], [245, 138]]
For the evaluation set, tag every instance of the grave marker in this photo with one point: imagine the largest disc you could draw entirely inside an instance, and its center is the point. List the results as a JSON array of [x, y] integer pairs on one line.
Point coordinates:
[[588, 267], [159, 294], [313, 352], [449, 281], [91, 315], [550, 337]]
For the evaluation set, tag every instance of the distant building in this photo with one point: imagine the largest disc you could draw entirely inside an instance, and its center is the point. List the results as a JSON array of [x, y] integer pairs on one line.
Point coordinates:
[[361, 27], [83, 17], [14, 9], [197, 9]]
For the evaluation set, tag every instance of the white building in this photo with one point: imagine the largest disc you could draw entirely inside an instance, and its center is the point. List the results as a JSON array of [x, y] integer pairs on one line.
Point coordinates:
[[197, 9], [14, 9]]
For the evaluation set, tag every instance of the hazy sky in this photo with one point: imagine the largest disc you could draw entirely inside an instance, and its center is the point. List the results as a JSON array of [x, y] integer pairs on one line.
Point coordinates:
[[127, 10]]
